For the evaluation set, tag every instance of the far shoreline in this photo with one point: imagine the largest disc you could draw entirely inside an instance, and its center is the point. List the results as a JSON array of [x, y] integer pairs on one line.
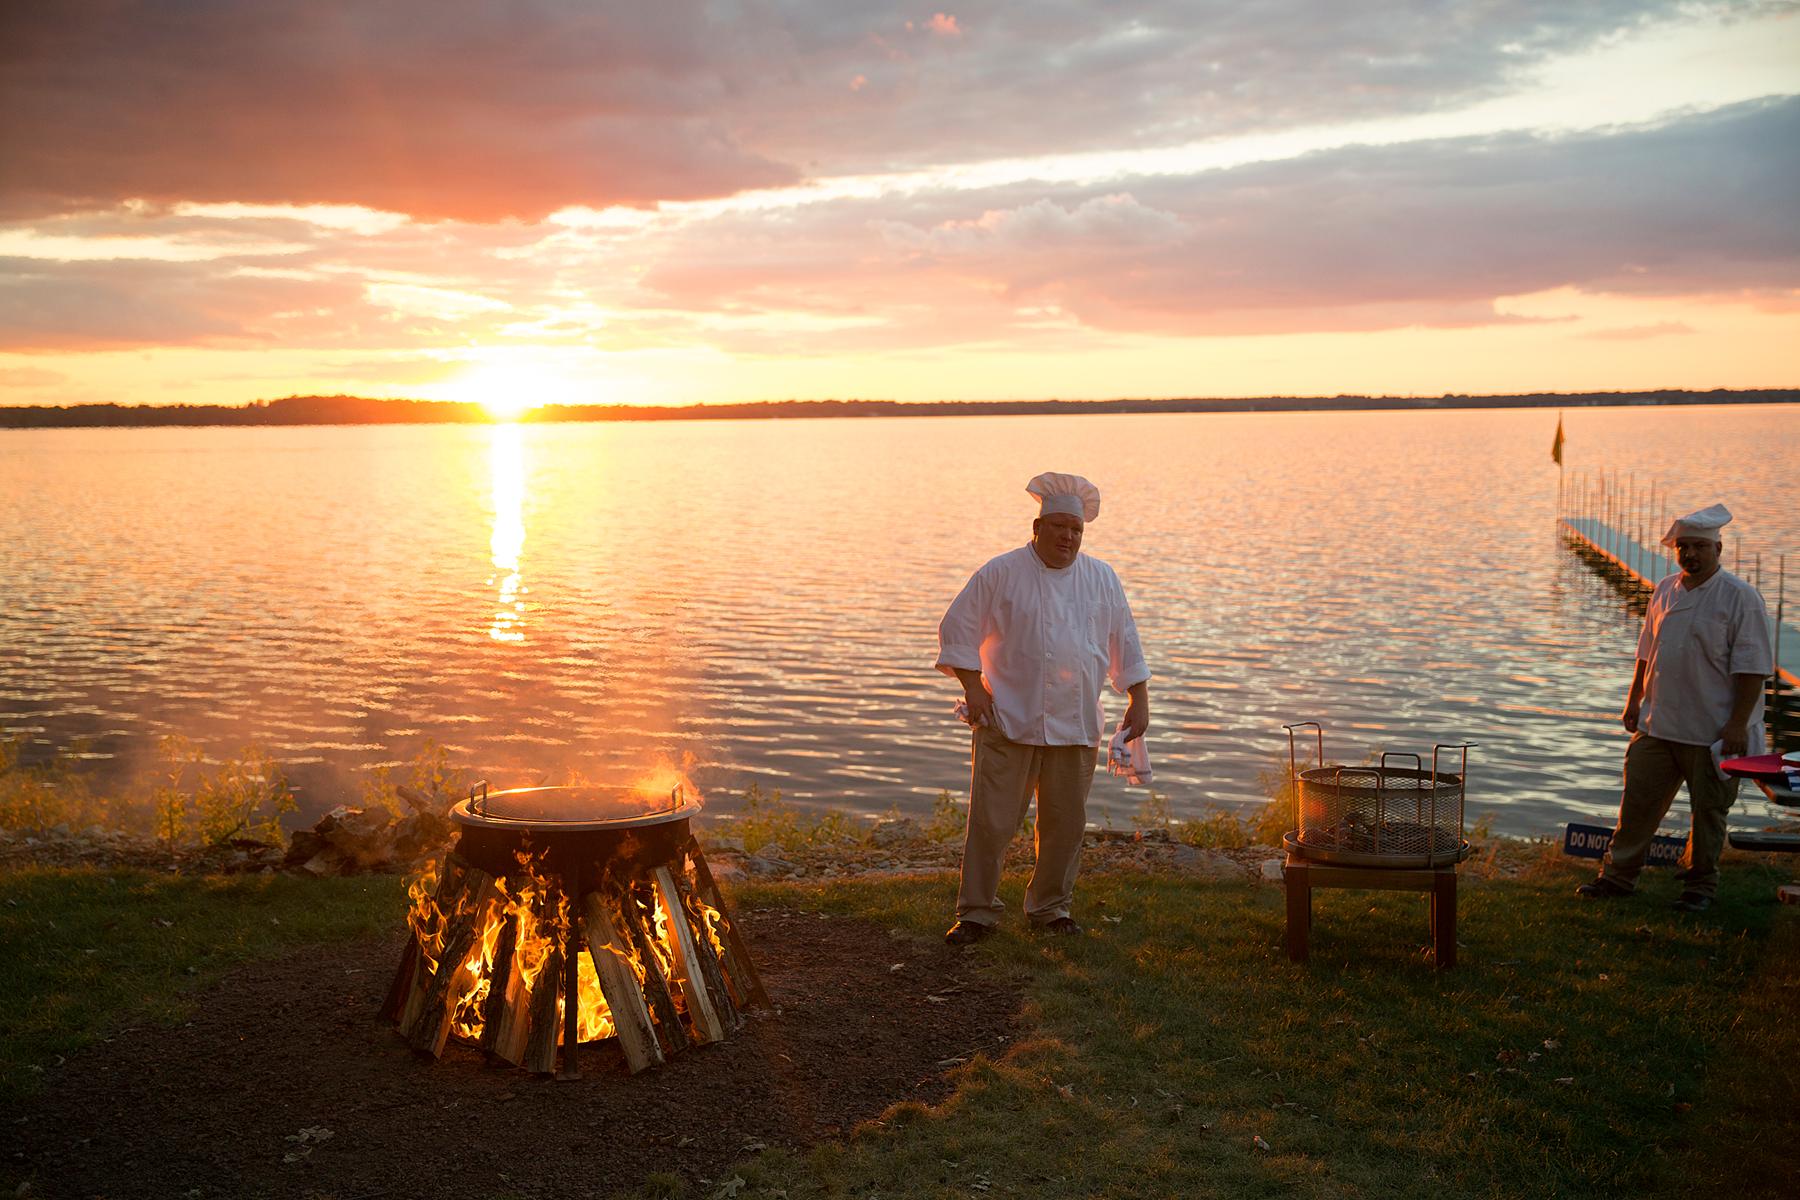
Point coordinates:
[[359, 410]]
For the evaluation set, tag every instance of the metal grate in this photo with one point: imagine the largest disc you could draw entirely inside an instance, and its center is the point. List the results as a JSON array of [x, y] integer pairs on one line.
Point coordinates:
[[1382, 815]]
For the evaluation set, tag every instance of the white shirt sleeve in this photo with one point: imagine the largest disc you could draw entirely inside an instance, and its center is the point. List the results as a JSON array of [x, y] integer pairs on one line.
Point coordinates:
[[1125, 665], [1752, 652], [959, 633]]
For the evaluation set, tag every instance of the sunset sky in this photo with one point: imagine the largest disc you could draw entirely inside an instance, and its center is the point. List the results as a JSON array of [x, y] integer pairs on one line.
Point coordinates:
[[214, 201]]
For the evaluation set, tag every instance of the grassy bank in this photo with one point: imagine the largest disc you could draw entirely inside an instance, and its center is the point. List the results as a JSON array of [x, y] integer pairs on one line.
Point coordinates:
[[87, 953], [1579, 1049]]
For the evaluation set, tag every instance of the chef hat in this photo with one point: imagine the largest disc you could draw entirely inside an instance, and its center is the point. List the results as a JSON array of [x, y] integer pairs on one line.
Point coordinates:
[[1703, 524], [1059, 493]]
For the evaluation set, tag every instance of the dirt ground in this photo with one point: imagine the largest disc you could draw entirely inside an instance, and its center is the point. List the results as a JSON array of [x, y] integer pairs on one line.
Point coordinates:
[[284, 1084]]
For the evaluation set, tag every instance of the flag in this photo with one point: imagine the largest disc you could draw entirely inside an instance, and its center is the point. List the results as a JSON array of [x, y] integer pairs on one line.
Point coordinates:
[[1556, 446]]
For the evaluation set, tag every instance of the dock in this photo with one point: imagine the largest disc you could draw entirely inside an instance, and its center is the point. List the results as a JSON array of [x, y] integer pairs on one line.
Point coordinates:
[[1644, 565]]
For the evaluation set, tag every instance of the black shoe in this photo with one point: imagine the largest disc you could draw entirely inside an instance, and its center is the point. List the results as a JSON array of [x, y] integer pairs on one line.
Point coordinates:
[[1602, 888], [967, 933], [1693, 902], [1061, 927]]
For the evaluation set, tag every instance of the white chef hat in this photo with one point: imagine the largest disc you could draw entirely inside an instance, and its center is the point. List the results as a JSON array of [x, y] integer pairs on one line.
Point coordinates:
[[1703, 524], [1059, 493]]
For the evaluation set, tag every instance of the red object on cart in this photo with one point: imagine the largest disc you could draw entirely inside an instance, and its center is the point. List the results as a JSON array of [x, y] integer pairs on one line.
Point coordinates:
[[1757, 764]]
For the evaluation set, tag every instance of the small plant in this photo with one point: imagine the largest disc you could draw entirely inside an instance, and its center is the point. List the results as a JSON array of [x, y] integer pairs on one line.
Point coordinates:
[[1153, 813], [429, 773], [200, 803], [39, 797], [949, 818], [768, 819]]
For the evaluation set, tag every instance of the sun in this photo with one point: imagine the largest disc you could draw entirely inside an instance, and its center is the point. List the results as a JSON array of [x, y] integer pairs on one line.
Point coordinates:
[[510, 388]]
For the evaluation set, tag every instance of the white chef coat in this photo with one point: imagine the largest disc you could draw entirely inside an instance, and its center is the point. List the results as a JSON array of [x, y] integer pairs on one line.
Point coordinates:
[[1044, 640], [1695, 640]]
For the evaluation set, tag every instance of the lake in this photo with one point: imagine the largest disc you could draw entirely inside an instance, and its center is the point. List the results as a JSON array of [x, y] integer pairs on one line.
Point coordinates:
[[560, 601]]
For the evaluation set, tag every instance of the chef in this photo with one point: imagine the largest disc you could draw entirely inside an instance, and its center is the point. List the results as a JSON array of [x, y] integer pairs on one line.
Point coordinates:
[[1696, 697], [1031, 637]]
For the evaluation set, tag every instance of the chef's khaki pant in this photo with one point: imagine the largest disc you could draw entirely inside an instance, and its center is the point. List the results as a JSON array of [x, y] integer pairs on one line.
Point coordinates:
[[1654, 772], [1003, 776]]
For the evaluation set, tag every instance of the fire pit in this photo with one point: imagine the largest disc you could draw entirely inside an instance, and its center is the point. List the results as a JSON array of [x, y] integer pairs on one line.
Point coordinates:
[[1378, 816], [1382, 827], [537, 876]]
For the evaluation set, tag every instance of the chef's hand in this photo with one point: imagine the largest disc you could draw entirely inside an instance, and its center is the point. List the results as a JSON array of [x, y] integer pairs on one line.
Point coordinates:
[[981, 707], [1629, 718], [1137, 719], [1736, 738]]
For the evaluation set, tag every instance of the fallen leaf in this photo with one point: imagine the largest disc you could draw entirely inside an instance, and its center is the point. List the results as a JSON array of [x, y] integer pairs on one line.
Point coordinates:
[[1566, 1079], [1067, 1090], [730, 1187], [1256, 1140], [1551, 1043]]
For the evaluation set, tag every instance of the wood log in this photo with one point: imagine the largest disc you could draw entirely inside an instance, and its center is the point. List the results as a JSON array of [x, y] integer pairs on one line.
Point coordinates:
[[611, 953], [446, 897], [454, 976], [419, 802], [514, 1019], [708, 953], [656, 985], [540, 1044], [400, 990], [500, 976], [740, 970], [522, 996], [702, 1005], [571, 1037]]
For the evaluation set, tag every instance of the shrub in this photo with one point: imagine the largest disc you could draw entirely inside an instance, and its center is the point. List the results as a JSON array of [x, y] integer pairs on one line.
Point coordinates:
[[200, 803], [429, 773], [40, 797]]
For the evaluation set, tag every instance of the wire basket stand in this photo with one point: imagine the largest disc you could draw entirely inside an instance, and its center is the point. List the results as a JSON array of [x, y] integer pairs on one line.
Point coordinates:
[[1377, 816]]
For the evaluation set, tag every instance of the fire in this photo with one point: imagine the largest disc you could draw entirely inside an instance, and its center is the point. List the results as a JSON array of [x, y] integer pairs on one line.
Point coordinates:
[[532, 907], [665, 778]]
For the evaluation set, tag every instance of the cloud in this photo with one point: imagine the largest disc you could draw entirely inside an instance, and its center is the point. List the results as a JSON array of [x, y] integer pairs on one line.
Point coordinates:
[[1638, 333], [467, 110], [1361, 238], [119, 305], [29, 377], [454, 108]]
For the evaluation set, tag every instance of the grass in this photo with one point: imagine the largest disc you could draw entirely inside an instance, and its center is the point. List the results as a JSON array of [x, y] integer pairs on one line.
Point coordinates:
[[1579, 1049], [84, 953]]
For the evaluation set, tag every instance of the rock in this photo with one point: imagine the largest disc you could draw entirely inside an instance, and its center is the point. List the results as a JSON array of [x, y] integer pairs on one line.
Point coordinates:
[[896, 832], [1271, 870], [726, 845], [1208, 864], [756, 864]]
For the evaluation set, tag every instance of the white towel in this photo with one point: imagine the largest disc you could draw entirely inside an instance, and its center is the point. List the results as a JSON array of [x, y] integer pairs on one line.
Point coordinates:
[[1718, 757], [1130, 759], [962, 714]]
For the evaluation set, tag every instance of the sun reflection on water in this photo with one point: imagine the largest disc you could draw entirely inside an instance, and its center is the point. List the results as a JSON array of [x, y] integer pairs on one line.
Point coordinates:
[[506, 462]]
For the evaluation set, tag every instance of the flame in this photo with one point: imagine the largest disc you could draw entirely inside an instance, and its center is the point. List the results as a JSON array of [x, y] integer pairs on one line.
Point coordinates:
[[533, 903], [665, 777]]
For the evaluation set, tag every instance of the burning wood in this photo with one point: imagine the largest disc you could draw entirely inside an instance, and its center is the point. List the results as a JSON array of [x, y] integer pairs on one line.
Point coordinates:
[[538, 936]]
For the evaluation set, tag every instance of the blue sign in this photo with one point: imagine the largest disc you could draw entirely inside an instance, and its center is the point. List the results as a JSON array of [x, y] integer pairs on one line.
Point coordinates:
[[1591, 841]]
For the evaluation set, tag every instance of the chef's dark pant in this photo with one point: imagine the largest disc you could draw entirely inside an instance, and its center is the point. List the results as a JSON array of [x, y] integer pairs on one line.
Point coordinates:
[[1003, 777], [1654, 772]]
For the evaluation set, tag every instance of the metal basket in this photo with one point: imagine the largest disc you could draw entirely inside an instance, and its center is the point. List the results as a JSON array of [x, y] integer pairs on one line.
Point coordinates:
[[1379, 816]]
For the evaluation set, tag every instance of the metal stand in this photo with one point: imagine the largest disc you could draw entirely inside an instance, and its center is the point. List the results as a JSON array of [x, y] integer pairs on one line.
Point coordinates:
[[1300, 876]]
